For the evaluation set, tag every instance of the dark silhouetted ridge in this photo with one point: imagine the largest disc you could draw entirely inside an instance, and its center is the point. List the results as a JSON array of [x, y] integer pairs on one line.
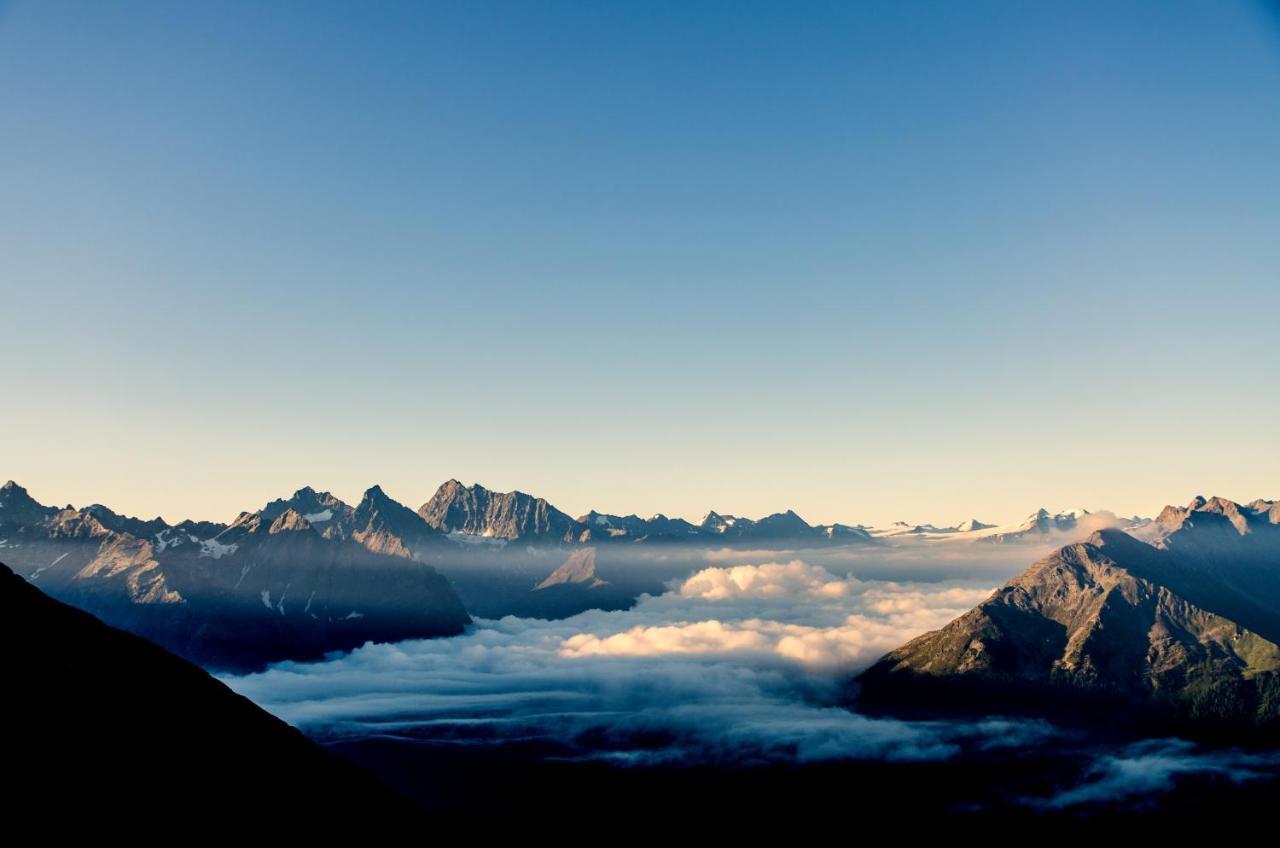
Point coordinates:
[[107, 732]]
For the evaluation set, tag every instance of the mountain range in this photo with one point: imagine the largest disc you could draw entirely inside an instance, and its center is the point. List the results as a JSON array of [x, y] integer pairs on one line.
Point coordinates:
[[1180, 625], [458, 516], [272, 584], [309, 573], [1041, 527]]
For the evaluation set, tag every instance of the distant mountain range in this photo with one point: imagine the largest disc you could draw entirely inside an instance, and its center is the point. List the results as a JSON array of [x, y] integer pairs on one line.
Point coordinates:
[[105, 731], [460, 515], [309, 573], [273, 584], [1040, 527], [1181, 625]]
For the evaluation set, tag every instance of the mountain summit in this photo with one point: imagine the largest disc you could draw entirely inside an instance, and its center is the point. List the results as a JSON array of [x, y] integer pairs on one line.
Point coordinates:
[[1185, 627], [506, 516]]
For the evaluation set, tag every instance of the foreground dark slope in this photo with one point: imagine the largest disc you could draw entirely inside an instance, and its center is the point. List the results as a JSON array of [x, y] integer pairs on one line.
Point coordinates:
[[106, 730], [1183, 630]]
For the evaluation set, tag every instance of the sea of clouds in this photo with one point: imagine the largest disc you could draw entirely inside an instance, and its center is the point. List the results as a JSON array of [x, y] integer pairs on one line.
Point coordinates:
[[745, 662], [736, 664]]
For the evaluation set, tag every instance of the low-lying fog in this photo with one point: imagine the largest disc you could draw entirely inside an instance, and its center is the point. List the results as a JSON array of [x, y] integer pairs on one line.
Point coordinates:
[[743, 660]]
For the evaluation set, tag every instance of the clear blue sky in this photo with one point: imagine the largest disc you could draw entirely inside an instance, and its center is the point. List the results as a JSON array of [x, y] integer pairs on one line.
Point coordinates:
[[869, 260]]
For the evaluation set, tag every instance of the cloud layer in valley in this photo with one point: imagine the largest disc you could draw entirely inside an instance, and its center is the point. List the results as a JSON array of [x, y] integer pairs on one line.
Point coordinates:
[[794, 610], [737, 665]]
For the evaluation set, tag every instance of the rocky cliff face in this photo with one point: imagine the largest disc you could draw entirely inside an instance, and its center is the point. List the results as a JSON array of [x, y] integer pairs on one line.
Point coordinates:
[[476, 511], [602, 527], [579, 568], [327, 514], [18, 508], [386, 526], [1186, 628], [117, 730], [378, 523]]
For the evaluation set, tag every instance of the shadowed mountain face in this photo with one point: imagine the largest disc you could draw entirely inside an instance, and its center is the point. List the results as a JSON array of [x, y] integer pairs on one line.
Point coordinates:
[[378, 523], [1185, 628], [108, 725], [271, 585], [19, 508]]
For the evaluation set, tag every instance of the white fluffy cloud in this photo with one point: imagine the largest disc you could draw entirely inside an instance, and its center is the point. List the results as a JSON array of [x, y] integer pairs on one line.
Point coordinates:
[[771, 580], [794, 610]]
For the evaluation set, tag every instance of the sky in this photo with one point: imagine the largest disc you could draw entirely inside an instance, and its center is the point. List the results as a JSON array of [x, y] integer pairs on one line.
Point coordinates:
[[870, 261]]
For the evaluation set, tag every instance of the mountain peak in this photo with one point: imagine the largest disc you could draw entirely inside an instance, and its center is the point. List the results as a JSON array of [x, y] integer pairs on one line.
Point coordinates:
[[1174, 521], [475, 511], [250, 522], [971, 525], [580, 567], [17, 506], [1172, 628], [290, 521]]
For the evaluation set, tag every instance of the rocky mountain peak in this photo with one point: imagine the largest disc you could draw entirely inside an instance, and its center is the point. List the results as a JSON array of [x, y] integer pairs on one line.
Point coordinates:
[[18, 507], [715, 522], [1194, 524], [477, 511], [971, 525], [1180, 631], [788, 520], [289, 521], [124, 524], [72, 523], [327, 514], [384, 525], [1227, 509], [246, 522], [579, 568]]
